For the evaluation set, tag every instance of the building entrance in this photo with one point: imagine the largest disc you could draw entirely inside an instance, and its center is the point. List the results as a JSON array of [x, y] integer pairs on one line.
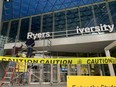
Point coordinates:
[[55, 73]]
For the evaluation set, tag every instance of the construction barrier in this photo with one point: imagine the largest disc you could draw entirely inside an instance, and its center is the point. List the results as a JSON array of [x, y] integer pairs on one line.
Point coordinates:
[[91, 81], [91, 60]]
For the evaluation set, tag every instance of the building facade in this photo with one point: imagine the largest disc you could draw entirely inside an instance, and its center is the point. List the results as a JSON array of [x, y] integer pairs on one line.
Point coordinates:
[[63, 23], [82, 31]]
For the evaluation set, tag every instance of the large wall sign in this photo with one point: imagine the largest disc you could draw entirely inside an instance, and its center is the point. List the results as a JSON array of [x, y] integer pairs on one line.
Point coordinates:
[[37, 35], [86, 30], [91, 81], [100, 28]]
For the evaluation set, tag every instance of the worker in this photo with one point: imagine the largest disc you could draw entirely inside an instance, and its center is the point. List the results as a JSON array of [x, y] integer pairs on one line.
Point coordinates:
[[29, 43], [15, 50]]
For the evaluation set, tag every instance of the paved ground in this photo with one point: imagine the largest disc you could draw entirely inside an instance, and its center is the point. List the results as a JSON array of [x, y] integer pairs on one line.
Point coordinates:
[[36, 85]]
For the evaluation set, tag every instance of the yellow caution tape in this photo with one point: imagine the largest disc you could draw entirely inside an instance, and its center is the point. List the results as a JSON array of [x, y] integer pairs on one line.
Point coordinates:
[[90, 60]]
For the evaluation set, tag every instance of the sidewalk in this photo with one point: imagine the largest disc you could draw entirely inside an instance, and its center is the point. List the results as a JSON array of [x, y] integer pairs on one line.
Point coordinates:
[[35, 85]]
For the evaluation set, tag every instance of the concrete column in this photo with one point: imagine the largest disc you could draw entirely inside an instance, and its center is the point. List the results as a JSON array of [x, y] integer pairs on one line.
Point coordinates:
[[111, 69], [58, 75], [1, 6], [78, 69], [107, 52], [51, 80]]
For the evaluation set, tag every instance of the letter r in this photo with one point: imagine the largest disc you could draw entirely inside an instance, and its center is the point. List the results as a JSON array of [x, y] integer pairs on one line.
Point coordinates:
[[29, 35]]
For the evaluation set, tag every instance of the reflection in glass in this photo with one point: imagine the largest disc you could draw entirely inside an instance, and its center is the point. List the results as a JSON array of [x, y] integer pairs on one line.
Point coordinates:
[[73, 69], [113, 12], [13, 30], [46, 72], [72, 21], [24, 29], [86, 17], [4, 29], [35, 26], [63, 73], [47, 23], [60, 23], [101, 14]]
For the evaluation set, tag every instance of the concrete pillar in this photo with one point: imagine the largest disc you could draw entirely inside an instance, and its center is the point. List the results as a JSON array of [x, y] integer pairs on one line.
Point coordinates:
[[78, 69], [111, 69], [107, 52], [1, 6]]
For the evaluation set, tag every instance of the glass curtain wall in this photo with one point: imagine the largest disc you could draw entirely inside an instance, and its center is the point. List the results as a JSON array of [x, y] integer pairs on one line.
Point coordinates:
[[64, 23], [24, 29], [112, 6], [101, 15], [86, 16], [63, 73], [60, 27], [72, 21], [47, 23], [36, 24], [13, 30], [4, 30]]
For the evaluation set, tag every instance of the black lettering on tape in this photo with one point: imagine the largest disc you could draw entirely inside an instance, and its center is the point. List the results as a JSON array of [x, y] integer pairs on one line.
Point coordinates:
[[41, 61], [70, 61], [29, 61], [3, 59], [35, 61], [64, 61]]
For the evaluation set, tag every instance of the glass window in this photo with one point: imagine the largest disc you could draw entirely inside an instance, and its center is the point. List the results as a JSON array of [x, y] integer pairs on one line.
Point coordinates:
[[36, 25], [101, 14], [73, 69], [36, 73], [55, 73], [63, 73], [84, 69], [46, 73], [60, 24], [13, 30], [113, 12], [4, 29], [86, 15], [72, 21], [47, 23], [16, 8], [24, 29]]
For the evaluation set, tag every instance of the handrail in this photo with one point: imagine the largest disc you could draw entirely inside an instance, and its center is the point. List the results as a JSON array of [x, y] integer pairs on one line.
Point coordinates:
[[64, 33]]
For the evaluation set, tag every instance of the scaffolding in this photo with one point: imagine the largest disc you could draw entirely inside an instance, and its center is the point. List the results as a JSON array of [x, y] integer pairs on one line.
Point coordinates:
[[55, 74]]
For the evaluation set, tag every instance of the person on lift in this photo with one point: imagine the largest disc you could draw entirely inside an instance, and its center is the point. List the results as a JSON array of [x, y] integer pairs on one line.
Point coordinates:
[[30, 43]]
